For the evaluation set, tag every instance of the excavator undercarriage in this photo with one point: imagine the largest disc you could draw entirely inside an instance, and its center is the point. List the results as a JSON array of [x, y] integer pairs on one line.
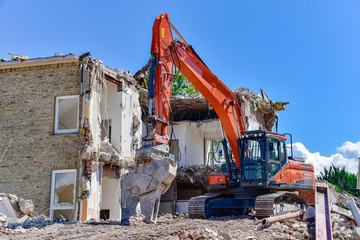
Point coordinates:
[[265, 205]]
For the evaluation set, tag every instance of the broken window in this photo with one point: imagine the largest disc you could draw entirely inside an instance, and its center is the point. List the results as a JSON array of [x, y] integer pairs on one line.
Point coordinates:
[[63, 185], [67, 114]]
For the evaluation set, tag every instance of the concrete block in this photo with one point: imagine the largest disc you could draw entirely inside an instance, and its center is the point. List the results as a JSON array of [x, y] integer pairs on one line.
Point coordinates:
[[6, 208], [26, 206]]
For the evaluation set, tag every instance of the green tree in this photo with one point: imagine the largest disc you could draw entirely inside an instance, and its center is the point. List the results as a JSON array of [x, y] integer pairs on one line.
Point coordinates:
[[181, 86], [341, 179]]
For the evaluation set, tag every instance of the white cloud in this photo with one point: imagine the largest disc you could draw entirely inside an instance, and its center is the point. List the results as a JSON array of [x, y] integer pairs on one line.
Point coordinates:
[[348, 157], [350, 150]]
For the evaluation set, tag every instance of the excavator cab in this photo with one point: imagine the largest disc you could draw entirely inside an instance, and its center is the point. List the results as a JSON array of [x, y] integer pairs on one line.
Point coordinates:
[[262, 156]]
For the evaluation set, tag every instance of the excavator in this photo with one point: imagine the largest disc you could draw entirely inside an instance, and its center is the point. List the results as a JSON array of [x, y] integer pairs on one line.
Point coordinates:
[[257, 173]]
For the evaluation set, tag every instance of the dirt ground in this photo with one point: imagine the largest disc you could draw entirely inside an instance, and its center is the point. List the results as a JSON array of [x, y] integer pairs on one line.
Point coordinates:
[[168, 227]]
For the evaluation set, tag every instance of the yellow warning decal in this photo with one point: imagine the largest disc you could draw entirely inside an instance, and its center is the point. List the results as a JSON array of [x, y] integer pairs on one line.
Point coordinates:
[[163, 32]]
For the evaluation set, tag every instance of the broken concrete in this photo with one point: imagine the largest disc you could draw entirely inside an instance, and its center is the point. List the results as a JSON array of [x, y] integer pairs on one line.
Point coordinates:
[[26, 206], [259, 110], [196, 174], [3, 218], [14, 210], [109, 155], [342, 211]]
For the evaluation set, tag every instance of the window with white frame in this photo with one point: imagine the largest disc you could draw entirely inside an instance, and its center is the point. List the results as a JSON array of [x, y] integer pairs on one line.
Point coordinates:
[[63, 188], [67, 114]]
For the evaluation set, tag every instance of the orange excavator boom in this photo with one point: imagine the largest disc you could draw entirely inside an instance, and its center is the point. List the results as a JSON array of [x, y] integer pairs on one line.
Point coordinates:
[[167, 52]]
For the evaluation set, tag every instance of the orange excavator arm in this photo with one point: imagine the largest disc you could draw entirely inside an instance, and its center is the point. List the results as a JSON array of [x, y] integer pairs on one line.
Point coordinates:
[[167, 52]]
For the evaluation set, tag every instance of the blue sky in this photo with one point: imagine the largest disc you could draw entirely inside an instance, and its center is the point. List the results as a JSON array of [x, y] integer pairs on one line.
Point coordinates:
[[305, 52]]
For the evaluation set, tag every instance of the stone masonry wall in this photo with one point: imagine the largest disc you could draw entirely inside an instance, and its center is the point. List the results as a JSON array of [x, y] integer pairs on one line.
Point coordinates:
[[27, 111]]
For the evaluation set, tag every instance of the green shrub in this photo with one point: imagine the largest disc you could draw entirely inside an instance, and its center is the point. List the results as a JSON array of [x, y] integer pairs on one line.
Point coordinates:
[[341, 179]]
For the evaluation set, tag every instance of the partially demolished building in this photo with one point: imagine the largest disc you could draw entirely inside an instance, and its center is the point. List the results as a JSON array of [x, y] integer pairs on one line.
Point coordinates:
[[69, 129], [68, 126]]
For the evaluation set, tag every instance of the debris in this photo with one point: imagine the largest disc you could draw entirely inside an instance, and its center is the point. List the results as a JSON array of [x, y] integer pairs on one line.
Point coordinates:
[[309, 215], [280, 218], [355, 211], [336, 209], [279, 106], [18, 57], [196, 173], [344, 198], [26, 206], [204, 233], [108, 154], [250, 237], [3, 218], [84, 56], [260, 108]]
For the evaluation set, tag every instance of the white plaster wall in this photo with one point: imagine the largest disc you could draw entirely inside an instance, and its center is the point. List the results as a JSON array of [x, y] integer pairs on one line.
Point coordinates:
[[253, 125], [93, 204], [121, 107], [110, 109], [126, 131], [111, 196], [180, 135], [94, 118], [194, 146], [191, 143], [210, 129]]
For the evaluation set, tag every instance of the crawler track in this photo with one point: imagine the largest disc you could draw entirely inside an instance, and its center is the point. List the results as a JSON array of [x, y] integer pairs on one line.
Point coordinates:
[[265, 204], [197, 205]]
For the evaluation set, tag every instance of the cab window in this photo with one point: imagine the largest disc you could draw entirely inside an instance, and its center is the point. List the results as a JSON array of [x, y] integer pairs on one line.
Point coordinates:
[[274, 149], [277, 156]]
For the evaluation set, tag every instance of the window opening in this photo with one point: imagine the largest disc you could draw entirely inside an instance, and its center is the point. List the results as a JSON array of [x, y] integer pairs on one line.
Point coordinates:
[[106, 129], [63, 187], [67, 114]]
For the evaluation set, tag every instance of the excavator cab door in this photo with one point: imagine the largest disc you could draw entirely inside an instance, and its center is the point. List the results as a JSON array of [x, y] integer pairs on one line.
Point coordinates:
[[253, 160], [277, 155], [262, 156]]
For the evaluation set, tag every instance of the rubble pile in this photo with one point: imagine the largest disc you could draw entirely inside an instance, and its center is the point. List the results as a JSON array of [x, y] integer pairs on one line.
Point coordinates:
[[344, 228], [261, 107], [14, 209], [108, 154], [343, 224], [196, 173], [17, 213], [344, 198], [201, 233], [296, 228]]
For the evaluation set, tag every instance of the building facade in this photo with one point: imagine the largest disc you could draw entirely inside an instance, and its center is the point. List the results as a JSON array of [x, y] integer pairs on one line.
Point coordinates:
[[66, 134]]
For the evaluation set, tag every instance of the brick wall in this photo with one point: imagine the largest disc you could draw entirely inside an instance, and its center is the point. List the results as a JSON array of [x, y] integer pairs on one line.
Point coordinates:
[[27, 110]]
